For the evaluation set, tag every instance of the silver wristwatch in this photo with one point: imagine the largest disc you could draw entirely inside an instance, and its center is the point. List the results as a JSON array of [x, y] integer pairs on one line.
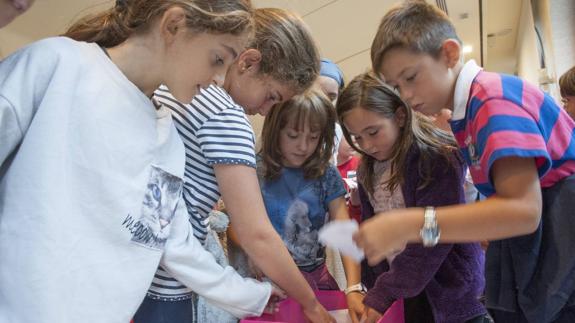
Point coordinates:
[[430, 231]]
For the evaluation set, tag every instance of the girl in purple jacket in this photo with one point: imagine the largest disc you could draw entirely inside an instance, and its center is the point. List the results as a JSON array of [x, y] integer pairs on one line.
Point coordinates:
[[406, 162]]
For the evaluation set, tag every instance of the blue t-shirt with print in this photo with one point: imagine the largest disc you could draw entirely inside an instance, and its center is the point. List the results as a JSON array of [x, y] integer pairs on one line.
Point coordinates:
[[298, 208]]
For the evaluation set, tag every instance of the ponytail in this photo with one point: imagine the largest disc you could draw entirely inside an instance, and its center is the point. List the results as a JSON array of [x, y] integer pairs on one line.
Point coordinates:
[[107, 29], [129, 17]]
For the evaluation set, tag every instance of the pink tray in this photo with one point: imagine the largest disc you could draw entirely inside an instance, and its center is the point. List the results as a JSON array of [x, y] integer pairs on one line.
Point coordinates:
[[290, 311]]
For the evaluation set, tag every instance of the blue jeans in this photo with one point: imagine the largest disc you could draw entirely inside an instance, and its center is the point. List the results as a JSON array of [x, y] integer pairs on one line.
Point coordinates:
[[156, 311]]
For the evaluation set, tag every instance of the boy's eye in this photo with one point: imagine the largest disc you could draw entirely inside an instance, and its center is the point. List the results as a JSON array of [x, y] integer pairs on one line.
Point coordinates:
[[373, 133], [291, 135]]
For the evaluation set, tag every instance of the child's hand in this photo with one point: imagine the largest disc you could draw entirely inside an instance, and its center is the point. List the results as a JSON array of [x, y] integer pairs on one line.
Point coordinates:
[[385, 234], [316, 313], [276, 296], [370, 315], [355, 306]]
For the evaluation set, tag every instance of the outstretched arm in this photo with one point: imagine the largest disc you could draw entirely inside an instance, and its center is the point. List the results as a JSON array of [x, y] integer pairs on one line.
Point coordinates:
[[187, 260], [241, 193], [514, 210]]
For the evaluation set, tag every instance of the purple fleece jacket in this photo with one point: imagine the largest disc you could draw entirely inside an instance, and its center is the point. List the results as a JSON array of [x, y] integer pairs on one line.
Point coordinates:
[[452, 275]]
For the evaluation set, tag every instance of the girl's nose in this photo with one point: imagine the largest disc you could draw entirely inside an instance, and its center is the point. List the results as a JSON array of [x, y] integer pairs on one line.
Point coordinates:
[[302, 144], [406, 94], [367, 146]]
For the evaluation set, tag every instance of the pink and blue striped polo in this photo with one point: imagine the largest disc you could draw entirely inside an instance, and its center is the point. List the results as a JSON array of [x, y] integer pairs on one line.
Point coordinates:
[[505, 116]]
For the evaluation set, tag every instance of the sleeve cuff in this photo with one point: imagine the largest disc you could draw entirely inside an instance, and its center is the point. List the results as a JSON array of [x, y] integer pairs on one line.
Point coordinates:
[[266, 293]]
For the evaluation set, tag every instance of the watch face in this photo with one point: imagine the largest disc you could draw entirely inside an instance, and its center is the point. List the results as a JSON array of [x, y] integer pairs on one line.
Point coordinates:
[[426, 235], [429, 236], [430, 231]]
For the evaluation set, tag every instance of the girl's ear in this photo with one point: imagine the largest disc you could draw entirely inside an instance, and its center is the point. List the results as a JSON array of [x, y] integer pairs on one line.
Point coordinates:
[[400, 116], [249, 60], [451, 52], [172, 22]]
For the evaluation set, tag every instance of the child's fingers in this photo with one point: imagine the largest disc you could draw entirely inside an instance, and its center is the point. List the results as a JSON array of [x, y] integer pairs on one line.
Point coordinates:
[[353, 316], [371, 315], [375, 245], [271, 308], [273, 305], [276, 296], [355, 306], [279, 293]]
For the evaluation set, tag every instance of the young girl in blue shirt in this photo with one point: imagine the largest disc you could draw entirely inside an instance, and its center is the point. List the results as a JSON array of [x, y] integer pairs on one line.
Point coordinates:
[[302, 190]]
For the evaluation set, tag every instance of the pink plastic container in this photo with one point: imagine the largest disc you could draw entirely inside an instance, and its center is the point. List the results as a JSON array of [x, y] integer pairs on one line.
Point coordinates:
[[290, 311], [394, 314]]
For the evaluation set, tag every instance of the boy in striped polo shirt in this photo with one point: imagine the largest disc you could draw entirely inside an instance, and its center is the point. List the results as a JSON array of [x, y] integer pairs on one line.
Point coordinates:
[[520, 149]]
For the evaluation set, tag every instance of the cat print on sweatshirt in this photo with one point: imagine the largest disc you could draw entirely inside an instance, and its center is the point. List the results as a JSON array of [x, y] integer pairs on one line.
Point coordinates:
[[158, 207]]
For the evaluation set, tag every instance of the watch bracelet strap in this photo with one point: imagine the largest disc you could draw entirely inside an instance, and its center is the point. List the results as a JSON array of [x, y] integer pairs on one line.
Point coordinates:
[[355, 288]]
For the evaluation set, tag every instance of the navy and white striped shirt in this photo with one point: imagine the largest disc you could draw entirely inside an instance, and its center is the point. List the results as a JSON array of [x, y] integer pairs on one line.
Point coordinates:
[[214, 130]]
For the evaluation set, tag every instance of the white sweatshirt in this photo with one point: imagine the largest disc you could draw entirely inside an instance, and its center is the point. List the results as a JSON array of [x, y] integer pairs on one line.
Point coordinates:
[[90, 194]]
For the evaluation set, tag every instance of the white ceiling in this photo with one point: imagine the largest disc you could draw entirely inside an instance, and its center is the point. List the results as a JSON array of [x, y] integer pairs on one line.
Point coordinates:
[[343, 29]]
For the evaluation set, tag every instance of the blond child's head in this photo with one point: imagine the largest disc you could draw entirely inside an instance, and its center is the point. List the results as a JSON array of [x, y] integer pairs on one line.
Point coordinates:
[[298, 134], [417, 51]]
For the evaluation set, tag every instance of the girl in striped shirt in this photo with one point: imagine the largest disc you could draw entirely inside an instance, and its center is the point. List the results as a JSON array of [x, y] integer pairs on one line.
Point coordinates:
[[280, 61]]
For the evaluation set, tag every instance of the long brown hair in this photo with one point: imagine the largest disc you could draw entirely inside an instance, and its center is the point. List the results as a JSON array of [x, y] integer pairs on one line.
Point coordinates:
[[311, 108], [368, 92], [289, 54], [131, 17]]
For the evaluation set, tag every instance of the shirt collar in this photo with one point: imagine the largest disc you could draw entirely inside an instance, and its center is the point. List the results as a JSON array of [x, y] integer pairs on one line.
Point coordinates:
[[462, 89]]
